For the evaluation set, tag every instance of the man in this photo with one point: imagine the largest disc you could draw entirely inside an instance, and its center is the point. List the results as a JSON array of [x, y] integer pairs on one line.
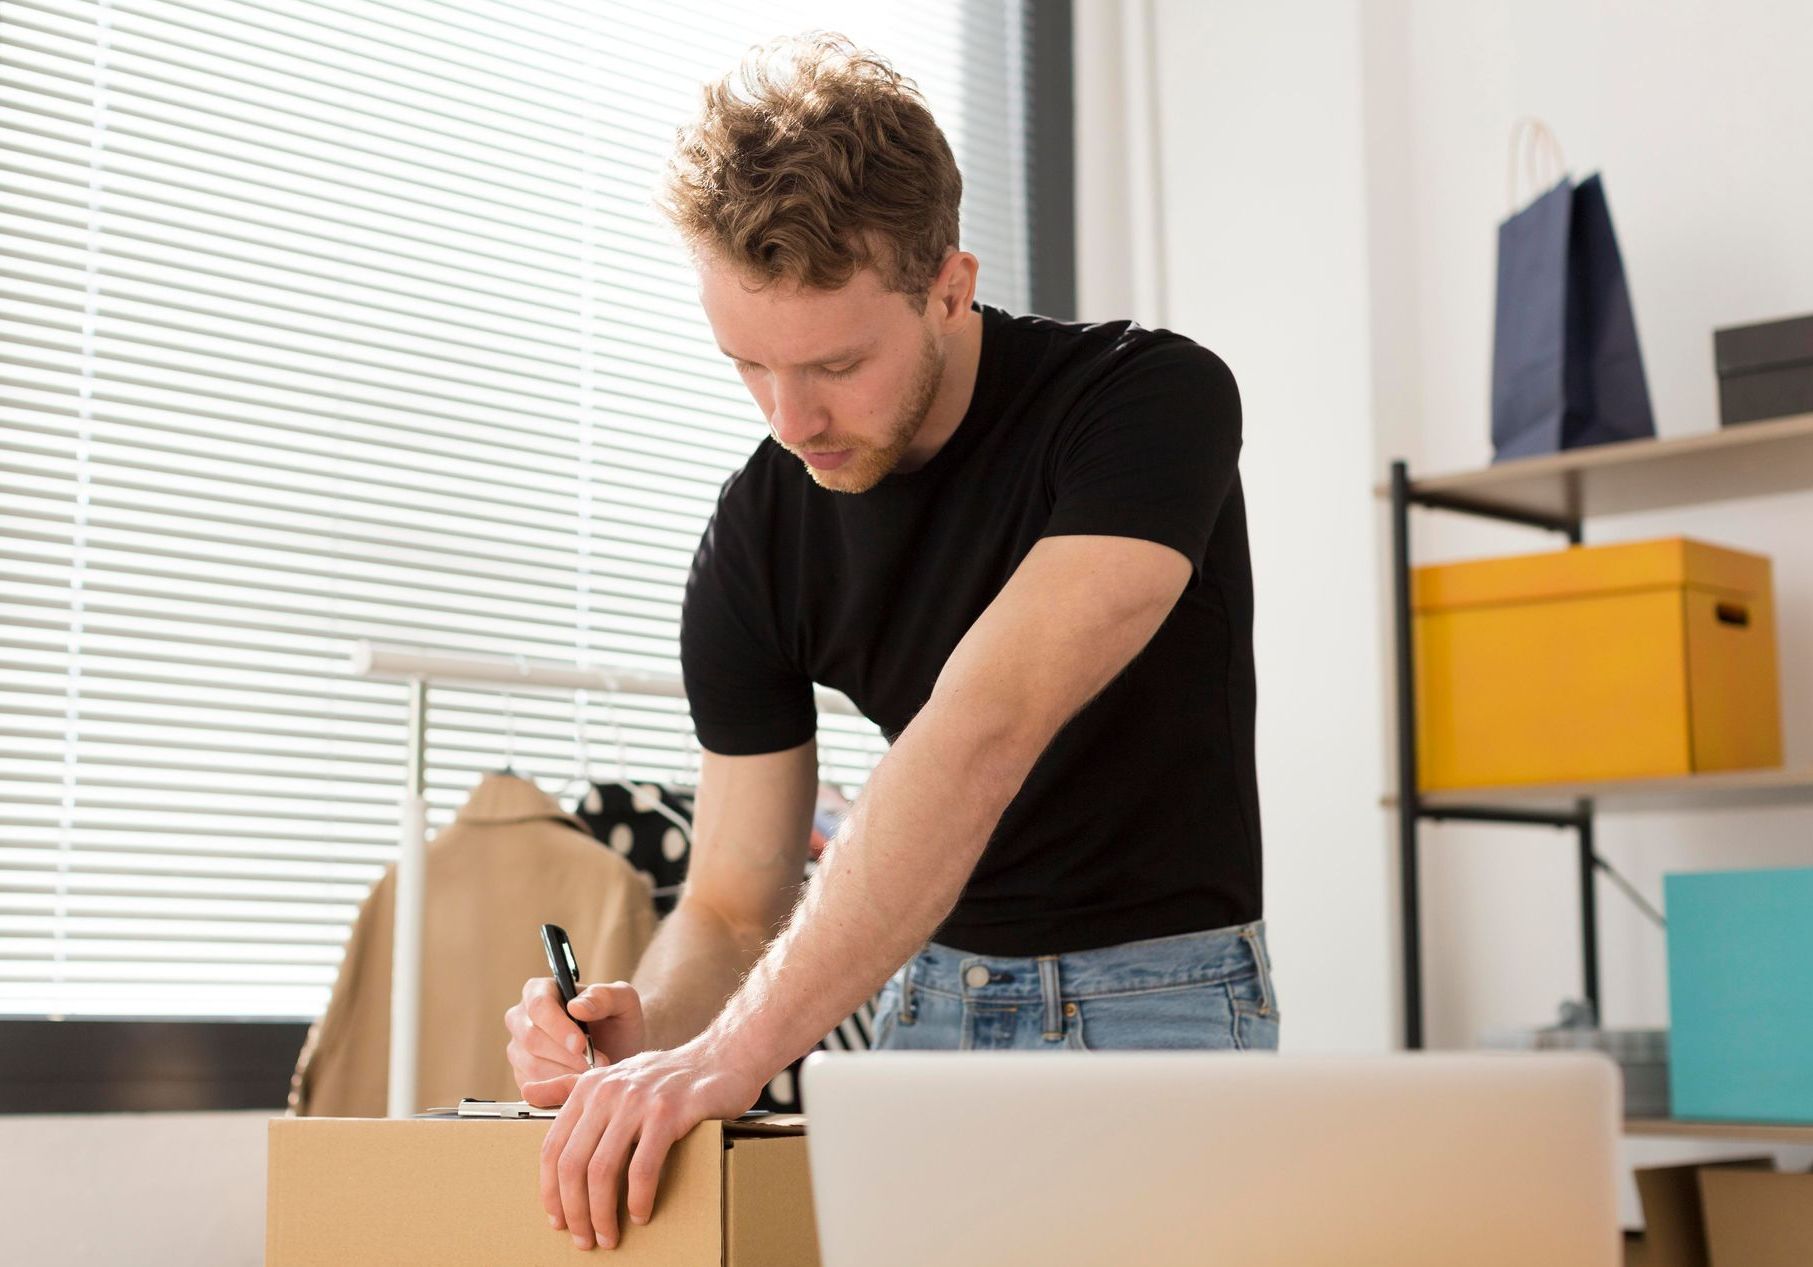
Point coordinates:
[[1019, 546]]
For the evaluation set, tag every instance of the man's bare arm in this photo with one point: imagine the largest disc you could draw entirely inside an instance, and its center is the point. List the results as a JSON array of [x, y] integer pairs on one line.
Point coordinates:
[[752, 819], [1074, 614]]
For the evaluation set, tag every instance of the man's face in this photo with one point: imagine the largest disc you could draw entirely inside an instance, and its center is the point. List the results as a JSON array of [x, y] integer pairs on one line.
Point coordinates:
[[845, 377]]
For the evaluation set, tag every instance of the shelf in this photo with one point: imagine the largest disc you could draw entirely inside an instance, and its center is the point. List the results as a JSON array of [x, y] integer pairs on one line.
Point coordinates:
[[1738, 789], [1757, 1132], [1751, 460], [1559, 492]]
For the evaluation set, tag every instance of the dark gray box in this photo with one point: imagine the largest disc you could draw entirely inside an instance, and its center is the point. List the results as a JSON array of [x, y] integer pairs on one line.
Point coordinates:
[[1765, 370]]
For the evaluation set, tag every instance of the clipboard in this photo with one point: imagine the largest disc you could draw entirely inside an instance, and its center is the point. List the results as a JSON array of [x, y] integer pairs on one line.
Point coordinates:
[[469, 1107]]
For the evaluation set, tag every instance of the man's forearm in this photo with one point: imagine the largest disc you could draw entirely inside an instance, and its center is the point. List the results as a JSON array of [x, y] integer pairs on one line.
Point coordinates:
[[882, 887], [692, 966]]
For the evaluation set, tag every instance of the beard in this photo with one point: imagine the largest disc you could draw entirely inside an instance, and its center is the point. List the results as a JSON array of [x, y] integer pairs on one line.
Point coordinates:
[[869, 464]]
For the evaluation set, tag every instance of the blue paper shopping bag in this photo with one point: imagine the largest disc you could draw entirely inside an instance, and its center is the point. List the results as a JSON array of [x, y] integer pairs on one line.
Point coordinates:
[[1566, 369]]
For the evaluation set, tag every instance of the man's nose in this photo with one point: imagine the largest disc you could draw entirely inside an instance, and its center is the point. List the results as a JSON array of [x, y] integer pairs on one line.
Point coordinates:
[[795, 418]]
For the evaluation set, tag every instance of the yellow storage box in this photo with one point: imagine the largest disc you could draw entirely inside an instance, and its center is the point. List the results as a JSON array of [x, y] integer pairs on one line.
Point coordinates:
[[1645, 659]]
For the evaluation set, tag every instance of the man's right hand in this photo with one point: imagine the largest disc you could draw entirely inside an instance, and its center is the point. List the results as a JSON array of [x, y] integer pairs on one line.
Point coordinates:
[[547, 1042]]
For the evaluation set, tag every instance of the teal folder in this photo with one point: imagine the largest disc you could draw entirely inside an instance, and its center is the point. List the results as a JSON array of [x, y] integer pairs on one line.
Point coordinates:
[[1740, 995]]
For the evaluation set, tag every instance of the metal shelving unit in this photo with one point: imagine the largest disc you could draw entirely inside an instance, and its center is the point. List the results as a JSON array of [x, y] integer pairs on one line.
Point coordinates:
[[1558, 493]]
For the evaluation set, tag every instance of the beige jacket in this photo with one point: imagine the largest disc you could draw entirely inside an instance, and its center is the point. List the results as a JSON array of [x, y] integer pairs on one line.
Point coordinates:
[[510, 862]]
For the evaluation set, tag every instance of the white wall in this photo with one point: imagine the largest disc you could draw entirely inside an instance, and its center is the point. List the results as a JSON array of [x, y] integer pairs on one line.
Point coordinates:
[[112, 1188]]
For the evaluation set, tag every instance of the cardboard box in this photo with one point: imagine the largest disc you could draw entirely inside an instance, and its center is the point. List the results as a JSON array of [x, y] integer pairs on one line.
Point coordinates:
[[1758, 1218], [1674, 1230], [1740, 994], [394, 1191], [1637, 660]]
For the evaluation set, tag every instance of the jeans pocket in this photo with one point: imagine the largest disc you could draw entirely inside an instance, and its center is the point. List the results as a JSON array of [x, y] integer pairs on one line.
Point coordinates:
[[1170, 1018], [1255, 1030]]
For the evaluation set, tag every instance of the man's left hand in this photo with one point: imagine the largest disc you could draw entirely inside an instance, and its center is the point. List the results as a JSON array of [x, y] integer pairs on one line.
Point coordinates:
[[645, 1104]]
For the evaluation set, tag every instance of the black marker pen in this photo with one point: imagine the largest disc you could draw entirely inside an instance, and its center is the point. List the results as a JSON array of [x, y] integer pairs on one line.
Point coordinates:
[[565, 968]]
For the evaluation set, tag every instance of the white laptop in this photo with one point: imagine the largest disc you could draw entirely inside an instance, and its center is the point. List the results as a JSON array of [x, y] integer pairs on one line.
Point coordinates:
[[1027, 1159]]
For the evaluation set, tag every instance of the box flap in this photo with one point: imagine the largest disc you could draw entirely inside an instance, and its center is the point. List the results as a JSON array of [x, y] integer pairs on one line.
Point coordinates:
[[1764, 345], [1674, 1230], [1582, 571], [768, 1215], [772, 1124], [1758, 1218]]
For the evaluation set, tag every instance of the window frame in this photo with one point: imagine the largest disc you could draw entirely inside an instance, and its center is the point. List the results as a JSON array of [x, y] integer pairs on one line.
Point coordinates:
[[135, 1066]]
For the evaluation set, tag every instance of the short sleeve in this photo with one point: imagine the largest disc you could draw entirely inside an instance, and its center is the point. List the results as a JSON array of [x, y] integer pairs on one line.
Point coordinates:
[[1152, 453], [744, 695]]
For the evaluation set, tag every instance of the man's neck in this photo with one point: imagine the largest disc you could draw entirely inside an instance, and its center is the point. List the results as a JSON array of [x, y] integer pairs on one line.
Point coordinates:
[[955, 389]]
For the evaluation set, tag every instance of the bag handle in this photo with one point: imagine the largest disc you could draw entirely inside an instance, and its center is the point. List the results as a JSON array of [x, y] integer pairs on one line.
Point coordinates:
[[1531, 144]]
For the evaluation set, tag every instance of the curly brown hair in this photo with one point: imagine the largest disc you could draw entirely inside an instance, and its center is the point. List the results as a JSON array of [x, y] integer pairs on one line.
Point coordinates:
[[812, 160]]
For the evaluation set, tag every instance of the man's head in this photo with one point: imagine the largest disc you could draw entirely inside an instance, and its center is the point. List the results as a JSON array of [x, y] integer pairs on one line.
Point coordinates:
[[819, 200]]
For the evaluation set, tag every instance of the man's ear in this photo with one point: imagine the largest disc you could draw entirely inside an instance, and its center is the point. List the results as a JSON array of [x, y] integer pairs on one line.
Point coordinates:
[[955, 286]]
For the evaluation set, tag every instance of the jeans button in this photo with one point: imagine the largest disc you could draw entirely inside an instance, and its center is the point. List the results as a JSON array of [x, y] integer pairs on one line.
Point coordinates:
[[976, 976]]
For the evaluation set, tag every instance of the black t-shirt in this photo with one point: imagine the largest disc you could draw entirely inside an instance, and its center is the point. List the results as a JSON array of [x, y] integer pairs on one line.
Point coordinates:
[[1141, 819]]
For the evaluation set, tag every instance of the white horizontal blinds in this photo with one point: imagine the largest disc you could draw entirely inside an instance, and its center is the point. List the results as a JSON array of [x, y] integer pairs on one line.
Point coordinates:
[[326, 383], [45, 310], [329, 321]]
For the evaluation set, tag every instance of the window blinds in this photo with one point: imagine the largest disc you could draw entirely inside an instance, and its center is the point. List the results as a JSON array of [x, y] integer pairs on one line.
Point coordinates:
[[336, 320]]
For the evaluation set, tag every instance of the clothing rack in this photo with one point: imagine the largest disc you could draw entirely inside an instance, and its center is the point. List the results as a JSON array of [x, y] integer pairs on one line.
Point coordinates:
[[419, 669]]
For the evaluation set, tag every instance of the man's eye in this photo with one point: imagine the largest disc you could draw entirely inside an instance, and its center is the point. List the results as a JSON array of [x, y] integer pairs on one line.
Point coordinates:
[[843, 373]]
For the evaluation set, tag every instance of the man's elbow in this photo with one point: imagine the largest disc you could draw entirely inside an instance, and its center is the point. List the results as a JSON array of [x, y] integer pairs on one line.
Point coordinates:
[[990, 737]]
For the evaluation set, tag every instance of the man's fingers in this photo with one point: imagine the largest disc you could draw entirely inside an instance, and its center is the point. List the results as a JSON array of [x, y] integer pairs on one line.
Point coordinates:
[[597, 1002], [566, 1054], [551, 1018], [575, 1161], [604, 1176], [645, 1167], [553, 1144], [533, 1048], [550, 1091]]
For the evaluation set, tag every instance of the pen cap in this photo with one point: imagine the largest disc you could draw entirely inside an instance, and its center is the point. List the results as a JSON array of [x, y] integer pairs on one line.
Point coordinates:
[[561, 961]]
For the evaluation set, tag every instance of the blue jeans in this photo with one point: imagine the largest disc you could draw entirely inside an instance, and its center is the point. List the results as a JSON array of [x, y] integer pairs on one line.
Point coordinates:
[[1209, 990]]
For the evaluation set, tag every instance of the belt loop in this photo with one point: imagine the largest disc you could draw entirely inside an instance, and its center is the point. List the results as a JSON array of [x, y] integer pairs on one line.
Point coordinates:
[[1261, 965], [907, 1012], [1050, 991]]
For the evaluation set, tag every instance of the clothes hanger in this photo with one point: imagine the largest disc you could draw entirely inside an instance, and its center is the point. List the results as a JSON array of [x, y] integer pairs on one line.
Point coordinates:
[[581, 777], [644, 797], [508, 768], [691, 757]]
